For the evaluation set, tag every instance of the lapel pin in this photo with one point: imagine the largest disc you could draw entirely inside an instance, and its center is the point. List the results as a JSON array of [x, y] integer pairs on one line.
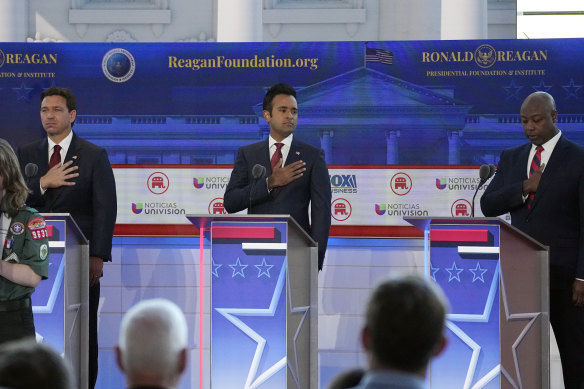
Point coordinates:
[[298, 153]]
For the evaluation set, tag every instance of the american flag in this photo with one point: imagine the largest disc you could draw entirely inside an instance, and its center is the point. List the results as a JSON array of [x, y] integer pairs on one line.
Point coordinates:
[[378, 55]]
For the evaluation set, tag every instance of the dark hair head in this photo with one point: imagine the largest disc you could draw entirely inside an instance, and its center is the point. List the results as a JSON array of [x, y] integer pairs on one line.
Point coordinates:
[[405, 319], [278, 89], [16, 189], [63, 92], [26, 364]]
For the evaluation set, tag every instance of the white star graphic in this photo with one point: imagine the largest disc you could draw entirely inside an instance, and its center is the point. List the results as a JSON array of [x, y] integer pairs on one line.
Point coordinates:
[[238, 268], [230, 314], [295, 369], [216, 267], [434, 270], [452, 270], [478, 273], [264, 268]]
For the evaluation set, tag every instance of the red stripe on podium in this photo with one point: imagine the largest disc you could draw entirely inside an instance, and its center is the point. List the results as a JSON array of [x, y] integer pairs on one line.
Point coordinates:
[[337, 231], [459, 235], [243, 232]]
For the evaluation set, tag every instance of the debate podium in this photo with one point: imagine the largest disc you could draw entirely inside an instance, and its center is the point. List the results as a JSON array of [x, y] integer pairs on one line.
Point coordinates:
[[496, 280], [60, 303], [264, 315]]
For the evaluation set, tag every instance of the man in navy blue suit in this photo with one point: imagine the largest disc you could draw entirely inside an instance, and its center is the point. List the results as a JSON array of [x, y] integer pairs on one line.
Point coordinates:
[[544, 192], [297, 175], [81, 183]]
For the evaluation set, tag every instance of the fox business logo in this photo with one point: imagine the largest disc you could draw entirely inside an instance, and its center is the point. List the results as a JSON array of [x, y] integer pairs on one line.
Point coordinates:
[[484, 56], [343, 183]]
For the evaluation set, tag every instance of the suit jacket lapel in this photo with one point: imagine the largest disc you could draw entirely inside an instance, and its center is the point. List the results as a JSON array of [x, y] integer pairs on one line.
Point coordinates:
[[295, 153]]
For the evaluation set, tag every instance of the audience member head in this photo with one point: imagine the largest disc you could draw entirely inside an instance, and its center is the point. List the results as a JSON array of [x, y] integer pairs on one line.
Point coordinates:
[[26, 364], [347, 379], [13, 189], [404, 326], [152, 347]]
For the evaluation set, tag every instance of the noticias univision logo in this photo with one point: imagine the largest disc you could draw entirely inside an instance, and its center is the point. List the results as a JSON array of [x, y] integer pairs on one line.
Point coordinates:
[[137, 208], [380, 208], [198, 182], [441, 183]]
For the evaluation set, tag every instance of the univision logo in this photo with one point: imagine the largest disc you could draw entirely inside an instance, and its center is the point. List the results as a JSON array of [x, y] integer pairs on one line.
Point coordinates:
[[198, 182], [380, 209], [441, 183], [137, 208]]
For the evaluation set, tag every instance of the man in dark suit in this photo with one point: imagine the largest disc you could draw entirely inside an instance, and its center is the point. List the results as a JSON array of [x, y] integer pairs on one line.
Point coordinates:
[[81, 183], [297, 174], [544, 192]]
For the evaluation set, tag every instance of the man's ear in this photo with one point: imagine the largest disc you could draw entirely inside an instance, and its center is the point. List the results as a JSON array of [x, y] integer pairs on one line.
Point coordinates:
[[366, 338], [441, 346], [72, 116], [267, 115], [182, 361], [119, 358]]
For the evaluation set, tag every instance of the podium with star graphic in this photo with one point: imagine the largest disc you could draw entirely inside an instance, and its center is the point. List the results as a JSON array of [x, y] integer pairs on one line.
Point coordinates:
[[496, 280], [264, 315], [60, 303]]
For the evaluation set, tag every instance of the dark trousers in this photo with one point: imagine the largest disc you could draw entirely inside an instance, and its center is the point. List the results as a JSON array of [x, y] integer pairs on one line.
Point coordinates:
[[568, 324], [93, 346], [16, 321]]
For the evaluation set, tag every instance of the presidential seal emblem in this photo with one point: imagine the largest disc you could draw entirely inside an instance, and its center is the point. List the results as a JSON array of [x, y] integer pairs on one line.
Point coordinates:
[[118, 65], [2, 58], [485, 56]]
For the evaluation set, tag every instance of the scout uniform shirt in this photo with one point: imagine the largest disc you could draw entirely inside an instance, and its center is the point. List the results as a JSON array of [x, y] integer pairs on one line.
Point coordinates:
[[26, 242]]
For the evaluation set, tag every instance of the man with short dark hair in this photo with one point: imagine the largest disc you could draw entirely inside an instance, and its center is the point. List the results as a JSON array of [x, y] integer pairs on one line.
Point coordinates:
[[26, 364], [297, 175], [404, 330], [74, 176]]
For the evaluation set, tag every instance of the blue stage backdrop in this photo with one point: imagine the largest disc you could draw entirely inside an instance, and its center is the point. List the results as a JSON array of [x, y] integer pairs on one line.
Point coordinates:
[[366, 103], [404, 125]]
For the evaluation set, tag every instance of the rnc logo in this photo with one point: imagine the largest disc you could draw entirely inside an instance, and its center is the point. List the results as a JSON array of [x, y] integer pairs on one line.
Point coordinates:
[[341, 209], [400, 184], [137, 208], [158, 183], [198, 182], [441, 183], [380, 209], [461, 207], [216, 207]]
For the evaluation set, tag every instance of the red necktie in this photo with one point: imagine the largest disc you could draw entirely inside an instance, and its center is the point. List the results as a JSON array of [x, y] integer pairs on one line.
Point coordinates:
[[56, 157], [535, 164], [277, 155]]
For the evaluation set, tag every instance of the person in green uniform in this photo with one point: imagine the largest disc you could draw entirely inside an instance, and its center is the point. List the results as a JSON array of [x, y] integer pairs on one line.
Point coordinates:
[[25, 253]]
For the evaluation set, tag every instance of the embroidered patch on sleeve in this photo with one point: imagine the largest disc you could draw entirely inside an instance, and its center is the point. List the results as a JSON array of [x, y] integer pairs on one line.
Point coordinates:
[[37, 228], [44, 251], [17, 228]]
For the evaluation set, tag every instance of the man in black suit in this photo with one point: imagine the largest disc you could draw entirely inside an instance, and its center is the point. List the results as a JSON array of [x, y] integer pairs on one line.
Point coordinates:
[[81, 183], [544, 192], [297, 174]]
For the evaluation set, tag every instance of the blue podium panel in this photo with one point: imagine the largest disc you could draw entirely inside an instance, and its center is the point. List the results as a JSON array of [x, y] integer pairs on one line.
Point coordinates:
[[248, 300], [496, 280], [48, 298], [464, 261]]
